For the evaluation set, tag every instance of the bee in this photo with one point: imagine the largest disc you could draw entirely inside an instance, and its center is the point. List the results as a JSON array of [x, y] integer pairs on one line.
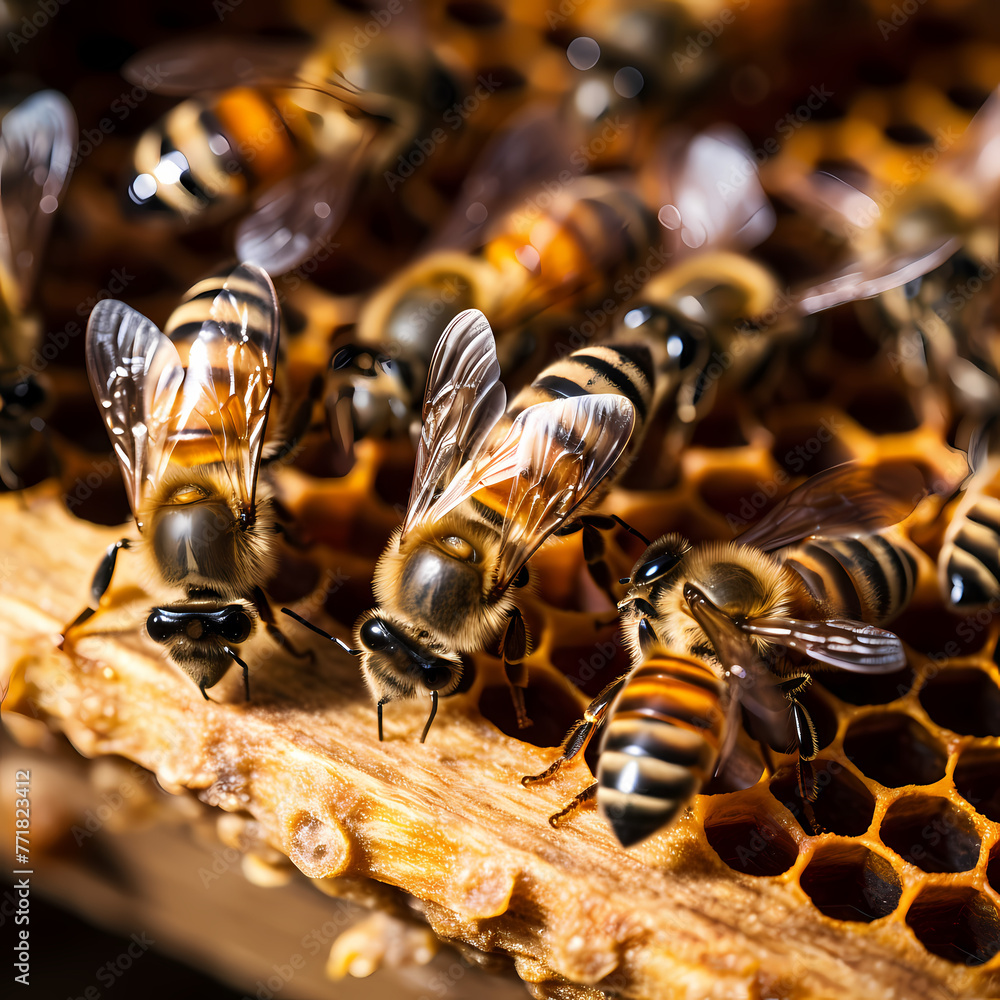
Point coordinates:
[[709, 627], [292, 127], [969, 560], [188, 434], [561, 254], [37, 140], [491, 483], [924, 253]]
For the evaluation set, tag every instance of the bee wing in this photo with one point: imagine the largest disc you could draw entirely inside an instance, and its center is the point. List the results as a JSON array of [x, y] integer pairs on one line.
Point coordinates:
[[554, 455], [864, 280], [463, 400], [838, 642], [135, 372], [227, 385], [37, 141], [709, 192], [296, 217], [847, 499], [533, 148], [203, 65]]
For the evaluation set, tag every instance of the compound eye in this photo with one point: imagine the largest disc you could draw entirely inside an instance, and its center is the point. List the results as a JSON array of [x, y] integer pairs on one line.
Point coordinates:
[[159, 627], [653, 569], [437, 676], [374, 635], [459, 548], [684, 345], [235, 626]]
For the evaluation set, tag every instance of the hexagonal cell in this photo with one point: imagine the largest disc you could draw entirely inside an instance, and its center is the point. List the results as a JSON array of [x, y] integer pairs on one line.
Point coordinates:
[[883, 411], [895, 750], [976, 780], [843, 804], [746, 839], [931, 833], [551, 708], [993, 868], [957, 923], [848, 882], [808, 449], [966, 701], [867, 689]]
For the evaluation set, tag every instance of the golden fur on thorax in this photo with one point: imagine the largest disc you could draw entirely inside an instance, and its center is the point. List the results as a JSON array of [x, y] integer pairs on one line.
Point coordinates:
[[254, 558], [481, 622]]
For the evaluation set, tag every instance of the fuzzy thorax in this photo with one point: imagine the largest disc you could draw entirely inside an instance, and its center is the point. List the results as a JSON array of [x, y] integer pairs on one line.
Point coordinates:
[[195, 538]]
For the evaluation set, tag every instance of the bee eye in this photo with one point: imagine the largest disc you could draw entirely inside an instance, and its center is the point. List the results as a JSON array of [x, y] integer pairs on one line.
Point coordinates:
[[437, 676], [374, 636], [235, 626], [653, 569], [683, 345], [459, 548]]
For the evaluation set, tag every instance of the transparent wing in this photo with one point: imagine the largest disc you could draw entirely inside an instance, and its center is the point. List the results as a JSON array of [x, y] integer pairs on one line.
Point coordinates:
[[709, 192], [553, 456], [838, 642], [847, 499], [227, 386], [135, 373], [462, 402], [533, 148], [37, 141], [865, 280], [202, 65], [297, 217]]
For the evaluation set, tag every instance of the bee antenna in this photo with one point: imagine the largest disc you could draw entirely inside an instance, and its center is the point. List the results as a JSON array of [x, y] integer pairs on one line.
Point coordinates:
[[246, 670], [430, 718], [326, 635]]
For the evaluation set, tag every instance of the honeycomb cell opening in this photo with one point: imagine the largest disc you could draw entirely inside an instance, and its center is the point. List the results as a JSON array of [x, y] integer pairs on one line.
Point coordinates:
[[959, 924], [843, 804], [977, 782], [966, 701], [883, 412], [850, 882], [747, 839], [931, 833], [867, 689], [552, 711], [894, 750], [993, 868]]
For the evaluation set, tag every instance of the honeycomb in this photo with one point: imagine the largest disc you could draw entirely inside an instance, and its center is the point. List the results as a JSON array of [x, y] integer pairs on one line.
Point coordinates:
[[899, 856]]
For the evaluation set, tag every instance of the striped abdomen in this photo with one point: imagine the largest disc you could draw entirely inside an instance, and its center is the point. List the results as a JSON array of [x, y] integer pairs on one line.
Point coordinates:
[[661, 744], [971, 557], [866, 579]]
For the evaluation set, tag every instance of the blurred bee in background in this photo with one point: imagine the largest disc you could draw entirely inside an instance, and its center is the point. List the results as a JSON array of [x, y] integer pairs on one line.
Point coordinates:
[[189, 433], [924, 251], [969, 560], [708, 627], [491, 483], [561, 246], [37, 141], [293, 127]]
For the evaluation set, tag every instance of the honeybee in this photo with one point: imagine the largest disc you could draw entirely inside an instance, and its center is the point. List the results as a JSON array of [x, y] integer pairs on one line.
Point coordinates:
[[969, 560], [924, 252], [709, 627], [560, 253], [293, 126], [189, 435], [491, 483], [37, 140]]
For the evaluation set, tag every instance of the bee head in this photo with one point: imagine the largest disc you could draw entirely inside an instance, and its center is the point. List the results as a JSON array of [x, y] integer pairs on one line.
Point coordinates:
[[367, 395], [400, 662]]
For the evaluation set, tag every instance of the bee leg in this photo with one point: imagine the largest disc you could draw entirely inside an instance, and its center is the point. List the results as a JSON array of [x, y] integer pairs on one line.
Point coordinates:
[[430, 718], [246, 671], [259, 601], [513, 649], [589, 794], [808, 748], [100, 583], [595, 548], [581, 734]]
